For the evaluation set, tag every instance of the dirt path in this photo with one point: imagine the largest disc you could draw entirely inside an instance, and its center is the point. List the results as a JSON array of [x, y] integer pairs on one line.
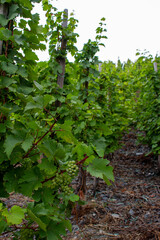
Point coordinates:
[[130, 208]]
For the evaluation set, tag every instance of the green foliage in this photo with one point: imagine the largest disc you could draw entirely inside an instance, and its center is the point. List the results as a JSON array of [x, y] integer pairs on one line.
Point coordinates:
[[37, 220], [134, 97], [147, 108]]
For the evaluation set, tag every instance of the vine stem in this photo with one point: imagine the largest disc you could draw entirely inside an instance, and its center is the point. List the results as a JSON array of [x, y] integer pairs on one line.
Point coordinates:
[[49, 112], [36, 143], [82, 161]]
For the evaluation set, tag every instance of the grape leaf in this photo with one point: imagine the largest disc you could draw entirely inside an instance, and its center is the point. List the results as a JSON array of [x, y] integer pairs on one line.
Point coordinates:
[[48, 148], [15, 215], [2, 153], [41, 210], [7, 81], [33, 217], [1, 206], [54, 230], [10, 143], [47, 195], [99, 167], [39, 86], [48, 99], [47, 166], [32, 105], [104, 129], [81, 149], [22, 71], [31, 180], [60, 153], [5, 34], [4, 1], [9, 67], [10, 180], [13, 11], [3, 226], [73, 198], [66, 134], [26, 4], [2, 128], [27, 143], [3, 20], [29, 55], [29, 176], [106, 180], [100, 146]]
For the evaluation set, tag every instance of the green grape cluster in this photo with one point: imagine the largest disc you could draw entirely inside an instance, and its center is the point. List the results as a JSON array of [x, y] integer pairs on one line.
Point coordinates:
[[62, 181], [72, 168], [26, 234]]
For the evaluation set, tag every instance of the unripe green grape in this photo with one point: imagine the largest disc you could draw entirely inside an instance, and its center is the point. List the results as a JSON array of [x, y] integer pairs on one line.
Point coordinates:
[[54, 184], [62, 181], [54, 181]]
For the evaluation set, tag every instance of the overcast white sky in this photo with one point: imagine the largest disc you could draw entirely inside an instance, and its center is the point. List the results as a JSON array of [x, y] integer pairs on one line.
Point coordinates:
[[131, 25]]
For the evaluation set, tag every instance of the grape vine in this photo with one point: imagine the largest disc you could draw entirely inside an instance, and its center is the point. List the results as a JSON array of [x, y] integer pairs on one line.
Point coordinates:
[[52, 133]]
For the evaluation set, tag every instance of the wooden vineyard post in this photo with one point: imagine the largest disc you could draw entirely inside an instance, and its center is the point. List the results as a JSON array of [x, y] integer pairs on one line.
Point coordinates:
[[100, 67], [61, 59], [156, 70], [3, 11], [155, 67]]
